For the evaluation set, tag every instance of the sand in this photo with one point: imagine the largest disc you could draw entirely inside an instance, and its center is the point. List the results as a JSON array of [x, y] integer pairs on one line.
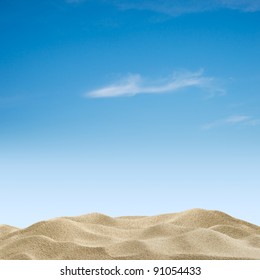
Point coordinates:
[[192, 234]]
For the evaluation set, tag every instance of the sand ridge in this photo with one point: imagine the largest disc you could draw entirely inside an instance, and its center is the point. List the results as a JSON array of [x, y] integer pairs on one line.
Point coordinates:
[[192, 234]]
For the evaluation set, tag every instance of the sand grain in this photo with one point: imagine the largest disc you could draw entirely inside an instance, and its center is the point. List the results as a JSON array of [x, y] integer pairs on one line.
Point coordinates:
[[192, 234]]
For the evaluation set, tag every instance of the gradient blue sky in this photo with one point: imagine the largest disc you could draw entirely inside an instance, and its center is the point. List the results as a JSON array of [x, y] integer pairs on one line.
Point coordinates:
[[129, 108]]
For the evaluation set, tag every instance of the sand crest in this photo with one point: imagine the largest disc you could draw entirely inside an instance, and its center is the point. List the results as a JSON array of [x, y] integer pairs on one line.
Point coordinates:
[[192, 234]]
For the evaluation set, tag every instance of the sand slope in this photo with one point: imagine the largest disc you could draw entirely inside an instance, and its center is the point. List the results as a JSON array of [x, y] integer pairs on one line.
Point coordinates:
[[193, 234]]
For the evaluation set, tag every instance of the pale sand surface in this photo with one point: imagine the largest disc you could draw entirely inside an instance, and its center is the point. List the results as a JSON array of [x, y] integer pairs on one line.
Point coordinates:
[[192, 234]]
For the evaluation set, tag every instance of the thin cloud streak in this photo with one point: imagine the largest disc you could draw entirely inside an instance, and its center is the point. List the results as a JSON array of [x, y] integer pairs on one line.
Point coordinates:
[[233, 120], [134, 84], [177, 7], [74, 1], [237, 119]]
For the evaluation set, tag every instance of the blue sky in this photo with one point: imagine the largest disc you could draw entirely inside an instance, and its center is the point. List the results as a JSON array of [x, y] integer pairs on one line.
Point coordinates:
[[129, 108]]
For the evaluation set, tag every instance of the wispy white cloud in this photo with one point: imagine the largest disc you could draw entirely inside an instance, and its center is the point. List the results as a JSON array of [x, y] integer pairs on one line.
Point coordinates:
[[74, 1], [233, 120], [253, 122], [237, 119], [177, 7], [134, 84]]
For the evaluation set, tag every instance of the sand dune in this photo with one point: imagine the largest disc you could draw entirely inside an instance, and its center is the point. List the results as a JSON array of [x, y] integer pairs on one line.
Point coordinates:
[[193, 234]]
